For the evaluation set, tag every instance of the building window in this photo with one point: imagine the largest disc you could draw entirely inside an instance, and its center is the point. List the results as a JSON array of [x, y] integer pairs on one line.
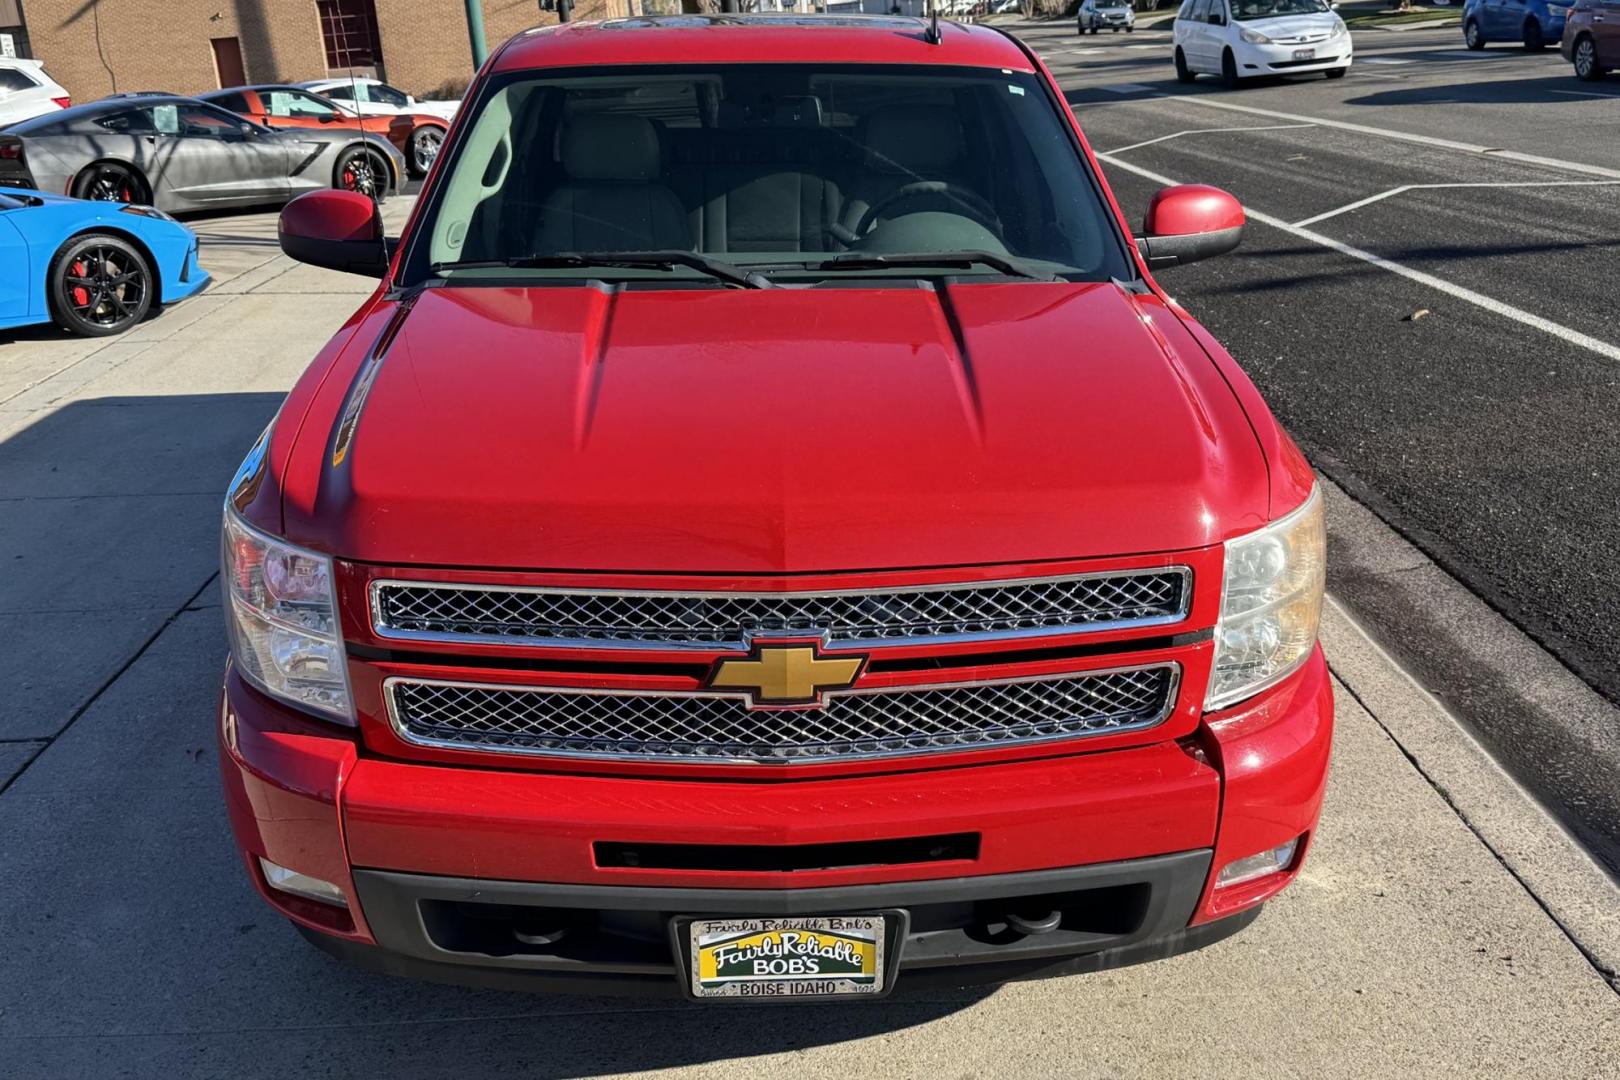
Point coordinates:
[[349, 32]]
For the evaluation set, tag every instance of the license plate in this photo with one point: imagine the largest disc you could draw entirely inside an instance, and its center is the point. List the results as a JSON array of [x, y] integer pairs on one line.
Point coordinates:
[[1304, 54], [777, 958]]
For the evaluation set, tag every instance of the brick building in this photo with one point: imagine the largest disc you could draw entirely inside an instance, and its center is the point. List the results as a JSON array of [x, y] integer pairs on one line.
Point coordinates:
[[98, 47]]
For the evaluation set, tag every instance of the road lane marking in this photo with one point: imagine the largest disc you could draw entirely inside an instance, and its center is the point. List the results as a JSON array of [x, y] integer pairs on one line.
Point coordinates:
[[1582, 93], [1460, 54], [1403, 136], [1382, 60], [1496, 307], [1359, 203], [1205, 131]]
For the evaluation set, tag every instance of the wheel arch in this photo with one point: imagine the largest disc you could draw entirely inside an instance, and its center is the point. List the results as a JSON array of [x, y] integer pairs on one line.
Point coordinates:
[[129, 238], [395, 184], [124, 163]]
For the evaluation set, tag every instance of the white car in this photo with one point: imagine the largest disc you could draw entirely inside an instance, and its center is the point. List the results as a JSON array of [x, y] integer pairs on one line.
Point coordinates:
[[372, 97], [1240, 39], [26, 91], [1115, 15]]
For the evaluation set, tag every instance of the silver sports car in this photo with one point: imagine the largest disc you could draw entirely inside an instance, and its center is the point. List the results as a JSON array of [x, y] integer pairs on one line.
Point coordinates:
[[177, 153]]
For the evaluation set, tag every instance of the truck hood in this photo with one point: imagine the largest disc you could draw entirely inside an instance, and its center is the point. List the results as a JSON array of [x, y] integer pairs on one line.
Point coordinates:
[[770, 431]]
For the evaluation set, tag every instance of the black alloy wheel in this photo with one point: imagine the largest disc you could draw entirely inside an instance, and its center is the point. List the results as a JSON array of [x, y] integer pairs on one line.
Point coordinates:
[[99, 285]]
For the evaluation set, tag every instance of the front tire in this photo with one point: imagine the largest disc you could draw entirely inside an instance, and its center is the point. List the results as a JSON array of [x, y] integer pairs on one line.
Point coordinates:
[[1472, 36], [108, 181], [1534, 40], [425, 143], [1130, 29], [1587, 68], [1336, 73], [1184, 74], [363, 171], [1229, 71], [98, 285]]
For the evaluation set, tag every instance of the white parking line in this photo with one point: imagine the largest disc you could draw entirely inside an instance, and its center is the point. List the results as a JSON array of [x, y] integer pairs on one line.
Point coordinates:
[[1205, 131], [1382, 60], [1508, 311], [1403, 136], [1359, 203], [1468, 54], [1582, 93]]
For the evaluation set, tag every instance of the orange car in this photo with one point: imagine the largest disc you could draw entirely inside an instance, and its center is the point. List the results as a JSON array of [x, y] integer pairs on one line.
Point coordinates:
[[418, 135]]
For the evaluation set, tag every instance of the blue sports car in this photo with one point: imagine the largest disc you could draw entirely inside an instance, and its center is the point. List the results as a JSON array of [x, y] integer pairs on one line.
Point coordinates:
[[93, 268]]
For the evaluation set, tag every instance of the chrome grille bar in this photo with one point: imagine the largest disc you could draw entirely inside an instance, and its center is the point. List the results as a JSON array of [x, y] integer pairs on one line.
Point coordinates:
[[445, 612], [707, 727]]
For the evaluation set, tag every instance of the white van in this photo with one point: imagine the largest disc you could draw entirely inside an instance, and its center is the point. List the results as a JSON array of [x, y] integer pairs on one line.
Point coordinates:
[[1241, 39]]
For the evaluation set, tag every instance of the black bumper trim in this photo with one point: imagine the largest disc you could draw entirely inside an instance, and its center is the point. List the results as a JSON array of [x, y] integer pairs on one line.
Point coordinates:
[[1160, 893]]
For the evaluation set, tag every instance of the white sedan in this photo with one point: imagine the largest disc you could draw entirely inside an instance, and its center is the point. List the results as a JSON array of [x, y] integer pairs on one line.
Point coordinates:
[[372, 97], [1240, 39]]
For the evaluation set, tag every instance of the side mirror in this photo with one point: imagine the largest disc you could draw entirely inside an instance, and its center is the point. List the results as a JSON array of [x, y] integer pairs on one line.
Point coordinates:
[[339, 230], [1186, 223], [248, 131]]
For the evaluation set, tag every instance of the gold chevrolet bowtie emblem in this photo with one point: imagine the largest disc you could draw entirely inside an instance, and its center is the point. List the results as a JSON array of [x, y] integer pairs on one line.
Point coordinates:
[[785, 674]]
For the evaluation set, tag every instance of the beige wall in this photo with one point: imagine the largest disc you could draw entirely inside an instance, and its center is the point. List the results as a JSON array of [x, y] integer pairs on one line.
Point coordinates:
[[164, 44]]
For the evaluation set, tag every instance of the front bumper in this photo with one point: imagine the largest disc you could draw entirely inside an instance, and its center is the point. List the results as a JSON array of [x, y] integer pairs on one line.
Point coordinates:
[[442, 866], [1280, 59]]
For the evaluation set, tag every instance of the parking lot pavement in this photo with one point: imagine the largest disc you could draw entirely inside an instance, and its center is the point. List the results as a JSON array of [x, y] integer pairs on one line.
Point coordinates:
[[1443, 927], [1420, 295]]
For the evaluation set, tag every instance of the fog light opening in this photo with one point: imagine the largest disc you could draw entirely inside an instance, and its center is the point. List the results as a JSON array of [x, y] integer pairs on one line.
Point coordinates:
[[310, 888], [1253, 867]]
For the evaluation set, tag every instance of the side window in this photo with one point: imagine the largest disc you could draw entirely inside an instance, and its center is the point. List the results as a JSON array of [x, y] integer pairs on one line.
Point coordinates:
[[1217, 12], [12, 79], [385, 94], [200, 121], [236, 103], [294, 103], [341, 92], [1197, 10], [127, 122]]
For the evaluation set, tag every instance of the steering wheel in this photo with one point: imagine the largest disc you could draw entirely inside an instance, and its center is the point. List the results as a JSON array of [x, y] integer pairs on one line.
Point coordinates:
[[969, 201]]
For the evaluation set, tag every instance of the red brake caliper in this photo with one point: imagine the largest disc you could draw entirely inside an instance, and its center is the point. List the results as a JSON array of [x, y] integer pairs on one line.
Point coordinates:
[[81, 295]]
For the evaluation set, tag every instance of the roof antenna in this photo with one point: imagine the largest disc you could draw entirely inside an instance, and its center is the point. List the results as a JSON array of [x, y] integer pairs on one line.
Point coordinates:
[[931, 34]]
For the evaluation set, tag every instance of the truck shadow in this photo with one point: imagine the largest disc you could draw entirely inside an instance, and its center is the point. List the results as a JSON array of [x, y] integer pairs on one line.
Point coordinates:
[[137, 946]]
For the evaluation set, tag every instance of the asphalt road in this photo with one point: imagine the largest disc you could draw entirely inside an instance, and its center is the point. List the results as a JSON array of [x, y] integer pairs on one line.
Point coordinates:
[[1436, 325]]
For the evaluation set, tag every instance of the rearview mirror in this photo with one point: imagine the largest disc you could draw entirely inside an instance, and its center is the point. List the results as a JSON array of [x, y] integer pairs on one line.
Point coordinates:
[[1188, 222], [338, 230]]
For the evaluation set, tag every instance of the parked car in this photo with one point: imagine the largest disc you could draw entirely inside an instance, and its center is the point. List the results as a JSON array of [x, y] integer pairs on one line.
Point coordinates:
[[1242, 39], [417, 135], [176, 153], [1591, 39], [91, 268], [1533, 23], [1115, 15], [26, 91], [784, 401], [372, 97]]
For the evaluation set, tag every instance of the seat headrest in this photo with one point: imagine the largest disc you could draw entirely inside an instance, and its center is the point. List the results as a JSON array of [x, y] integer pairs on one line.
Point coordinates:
[[611, 146], [918, 139]]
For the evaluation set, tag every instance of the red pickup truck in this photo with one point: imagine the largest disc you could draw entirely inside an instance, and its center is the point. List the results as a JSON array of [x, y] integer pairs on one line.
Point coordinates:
[[769, 536]]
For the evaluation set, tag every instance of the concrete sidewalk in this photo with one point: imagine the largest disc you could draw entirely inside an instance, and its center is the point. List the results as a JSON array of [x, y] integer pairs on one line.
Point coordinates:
[[1444, 926]]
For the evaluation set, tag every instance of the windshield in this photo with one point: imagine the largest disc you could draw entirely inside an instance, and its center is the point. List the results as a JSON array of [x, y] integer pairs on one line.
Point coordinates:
[[773, 171], [1244, 10]]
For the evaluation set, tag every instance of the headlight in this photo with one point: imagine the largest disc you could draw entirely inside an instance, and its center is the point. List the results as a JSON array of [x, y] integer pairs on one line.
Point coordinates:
[[1339, 29], [144, 211], [281, 613], [1254, 37], [1271, 603]]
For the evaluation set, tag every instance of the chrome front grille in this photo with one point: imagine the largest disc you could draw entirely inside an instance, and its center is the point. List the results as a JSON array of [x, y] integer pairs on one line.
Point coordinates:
[[709, 727], [539, 616]]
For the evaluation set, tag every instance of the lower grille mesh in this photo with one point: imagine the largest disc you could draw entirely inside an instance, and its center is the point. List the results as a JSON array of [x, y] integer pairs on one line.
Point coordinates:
[[708, 727]]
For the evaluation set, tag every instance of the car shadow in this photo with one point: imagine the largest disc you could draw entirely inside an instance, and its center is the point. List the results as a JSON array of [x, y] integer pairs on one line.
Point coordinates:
[[1543, 91]]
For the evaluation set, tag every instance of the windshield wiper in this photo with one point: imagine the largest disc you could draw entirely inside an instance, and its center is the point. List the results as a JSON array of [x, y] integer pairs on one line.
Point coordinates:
[[860, 260], [626, 260]]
